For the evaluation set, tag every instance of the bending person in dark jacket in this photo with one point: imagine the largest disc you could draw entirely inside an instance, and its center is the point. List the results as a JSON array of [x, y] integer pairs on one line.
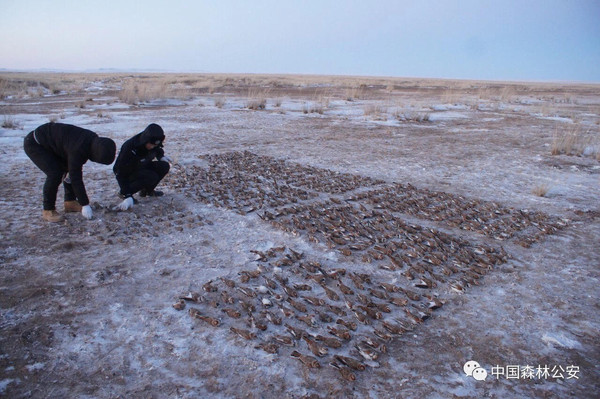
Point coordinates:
[[60, 150], [141, 165]]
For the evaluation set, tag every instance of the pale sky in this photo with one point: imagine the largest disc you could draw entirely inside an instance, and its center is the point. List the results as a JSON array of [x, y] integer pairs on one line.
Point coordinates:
[[536, 40]]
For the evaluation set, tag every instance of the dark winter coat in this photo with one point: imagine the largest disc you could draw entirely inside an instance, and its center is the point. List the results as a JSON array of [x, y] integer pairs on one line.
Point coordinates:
[[134, 153], [73, 146]]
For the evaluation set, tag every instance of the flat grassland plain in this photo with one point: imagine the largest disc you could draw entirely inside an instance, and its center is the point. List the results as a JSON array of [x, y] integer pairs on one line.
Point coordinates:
[[319, 237]]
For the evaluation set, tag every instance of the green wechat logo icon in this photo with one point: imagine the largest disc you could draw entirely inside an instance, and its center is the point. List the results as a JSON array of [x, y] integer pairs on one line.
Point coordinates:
[[473, 369]]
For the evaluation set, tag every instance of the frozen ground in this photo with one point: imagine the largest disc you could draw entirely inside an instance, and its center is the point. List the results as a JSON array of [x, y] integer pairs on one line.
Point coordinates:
[[87, 306]]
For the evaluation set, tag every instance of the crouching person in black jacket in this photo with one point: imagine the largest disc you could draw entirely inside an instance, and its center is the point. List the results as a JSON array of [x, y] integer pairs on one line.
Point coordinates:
[[60, 150], [141, 165]]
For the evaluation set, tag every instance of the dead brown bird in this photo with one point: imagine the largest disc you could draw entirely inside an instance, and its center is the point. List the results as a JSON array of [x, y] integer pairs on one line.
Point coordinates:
[[248, 307], [308, 361], [382, 334], [334, 273], [394, 328], [208, 287], [350, 362], [247, 291], [337, 310], [270, 283], [250, 274], [423, 282], [228, 282], [302, 287], [315, 348], [344, 288], [297, 305], [268, 347], [413, 296], [434, 303], [284, 340], [389, 287], [309, 320], [357, 281], [243, 333], [193, 297], [382, 307], [290, 291], [180, 305], [363, 299], [363, 318], [375, 344], [371, 313], [226, 298], [314, 301], [331, 294], [210, 320], [272, 318], [378, 294], [344, 372], [340, 333], [296, 332], [366, 352], [232, 313], [329, 341], [259, 324]]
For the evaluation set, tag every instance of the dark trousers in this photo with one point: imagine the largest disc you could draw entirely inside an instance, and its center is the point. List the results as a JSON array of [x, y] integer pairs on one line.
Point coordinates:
[[147, 177], [55, 169]]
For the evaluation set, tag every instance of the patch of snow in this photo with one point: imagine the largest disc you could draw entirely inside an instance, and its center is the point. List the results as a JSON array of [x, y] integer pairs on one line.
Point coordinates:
[[559, 339]]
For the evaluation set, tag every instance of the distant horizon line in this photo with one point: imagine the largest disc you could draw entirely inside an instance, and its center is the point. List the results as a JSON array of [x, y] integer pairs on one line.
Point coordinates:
[[169, 71]]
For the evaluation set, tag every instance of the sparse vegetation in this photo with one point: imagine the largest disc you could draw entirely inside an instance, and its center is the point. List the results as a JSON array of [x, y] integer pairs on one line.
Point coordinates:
[[415, 117], [541, 190], [575, 141], [356, 92], [9, 122], [257, 98], [219, 102], [376, 111]]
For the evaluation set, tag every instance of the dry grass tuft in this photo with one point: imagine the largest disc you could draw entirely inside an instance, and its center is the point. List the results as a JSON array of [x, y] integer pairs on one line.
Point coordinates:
[[219, 102], [376, 111], [318, 105], [137, 91], [9, 122], [576, 142], [541, 190], [257, 98], [413, 117], [356, 93]]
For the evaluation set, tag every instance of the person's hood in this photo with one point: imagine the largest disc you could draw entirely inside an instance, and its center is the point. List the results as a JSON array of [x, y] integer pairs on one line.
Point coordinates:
[[103, 150], [152, 134]]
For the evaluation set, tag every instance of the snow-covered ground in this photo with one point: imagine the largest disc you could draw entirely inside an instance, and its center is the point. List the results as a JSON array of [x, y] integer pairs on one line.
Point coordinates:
[[87, 306]]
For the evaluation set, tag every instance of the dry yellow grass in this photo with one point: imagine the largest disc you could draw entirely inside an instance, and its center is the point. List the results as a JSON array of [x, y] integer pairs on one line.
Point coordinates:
[[257, 98], [575, 141], [9, 122], [540, 190], [376, 111]]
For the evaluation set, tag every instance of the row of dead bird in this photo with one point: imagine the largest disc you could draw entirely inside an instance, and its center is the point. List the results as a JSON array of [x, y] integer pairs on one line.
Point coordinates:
[[425, 256], [282, 172], [484, 217], [113, 226], [247, 182], [316, 311]]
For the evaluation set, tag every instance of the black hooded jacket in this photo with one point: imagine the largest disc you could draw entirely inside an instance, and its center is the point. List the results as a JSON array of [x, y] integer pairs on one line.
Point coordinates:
[[133, 151], [73, 146]]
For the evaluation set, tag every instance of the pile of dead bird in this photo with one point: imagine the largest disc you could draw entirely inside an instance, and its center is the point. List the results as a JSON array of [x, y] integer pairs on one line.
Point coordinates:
[[327, 315], [320, 315]]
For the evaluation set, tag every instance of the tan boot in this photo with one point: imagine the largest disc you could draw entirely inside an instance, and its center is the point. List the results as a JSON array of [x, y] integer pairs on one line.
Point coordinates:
[[72, 206], [52, 216]]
